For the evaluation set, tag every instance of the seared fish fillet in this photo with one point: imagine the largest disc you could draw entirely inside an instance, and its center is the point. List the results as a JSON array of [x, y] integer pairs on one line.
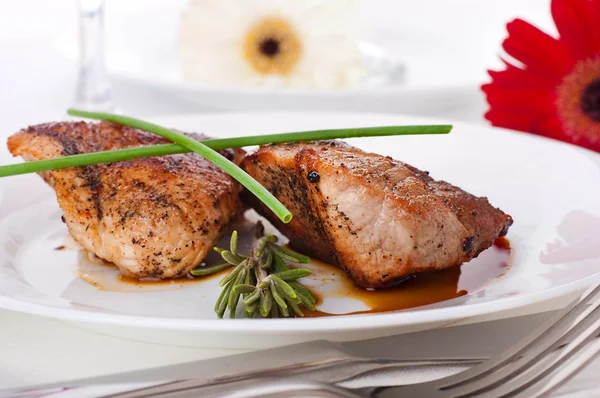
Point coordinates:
[[378, 218], [155, 217]]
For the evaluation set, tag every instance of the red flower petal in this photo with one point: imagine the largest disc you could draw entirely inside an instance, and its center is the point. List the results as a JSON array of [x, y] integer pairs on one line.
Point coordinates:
[[549, 126], [596, 24], [532, 97], [537, 50], [552, 127], [509, 120], [513, 77], [575, 22], [518, 99], [586, 143]]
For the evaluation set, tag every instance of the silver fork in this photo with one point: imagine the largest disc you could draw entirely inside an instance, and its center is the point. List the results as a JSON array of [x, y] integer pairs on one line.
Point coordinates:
[[532, 368]]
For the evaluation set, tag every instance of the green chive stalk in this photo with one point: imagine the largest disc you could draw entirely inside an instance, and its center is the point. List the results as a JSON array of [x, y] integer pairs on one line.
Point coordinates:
[[119, 155]]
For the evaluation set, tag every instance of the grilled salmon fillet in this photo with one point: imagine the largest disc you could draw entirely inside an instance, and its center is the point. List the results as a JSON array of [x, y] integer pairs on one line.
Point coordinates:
[[378, 218], [154, 217]]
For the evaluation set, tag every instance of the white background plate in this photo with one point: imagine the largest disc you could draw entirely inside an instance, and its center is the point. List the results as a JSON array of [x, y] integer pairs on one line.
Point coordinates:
[[446, 57], [548, 187]]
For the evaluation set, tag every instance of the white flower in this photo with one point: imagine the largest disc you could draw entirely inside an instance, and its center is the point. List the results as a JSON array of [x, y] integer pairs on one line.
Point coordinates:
[[272, 43]]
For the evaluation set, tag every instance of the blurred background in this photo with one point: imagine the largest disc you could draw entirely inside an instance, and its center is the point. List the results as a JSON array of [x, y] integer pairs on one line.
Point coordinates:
[[444, 46]]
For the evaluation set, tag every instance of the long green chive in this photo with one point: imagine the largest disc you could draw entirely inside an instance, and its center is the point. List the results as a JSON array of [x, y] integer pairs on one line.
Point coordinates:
[[215, 157], [119, 155]]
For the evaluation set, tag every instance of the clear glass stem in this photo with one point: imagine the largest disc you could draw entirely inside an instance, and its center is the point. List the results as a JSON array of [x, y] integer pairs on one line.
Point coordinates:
[[93, 90]]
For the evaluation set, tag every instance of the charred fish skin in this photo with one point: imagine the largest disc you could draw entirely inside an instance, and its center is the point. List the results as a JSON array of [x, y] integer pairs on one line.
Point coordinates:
[[154, 217], [378, 218]]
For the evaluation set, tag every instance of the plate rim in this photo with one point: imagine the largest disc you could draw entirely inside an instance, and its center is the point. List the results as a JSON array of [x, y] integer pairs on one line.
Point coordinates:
[[339, 323], [300, 93]]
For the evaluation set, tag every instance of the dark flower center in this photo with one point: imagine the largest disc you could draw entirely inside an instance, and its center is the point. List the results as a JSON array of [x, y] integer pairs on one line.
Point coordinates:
[[269, 47], [590, 100]]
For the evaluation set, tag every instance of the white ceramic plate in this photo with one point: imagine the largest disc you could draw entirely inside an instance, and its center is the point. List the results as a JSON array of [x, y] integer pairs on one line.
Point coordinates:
[[549, 188], [141, 46]]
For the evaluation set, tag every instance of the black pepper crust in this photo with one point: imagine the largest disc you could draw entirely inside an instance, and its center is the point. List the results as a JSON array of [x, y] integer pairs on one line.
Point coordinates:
[[152, 217], [291, 185], [379, 219]]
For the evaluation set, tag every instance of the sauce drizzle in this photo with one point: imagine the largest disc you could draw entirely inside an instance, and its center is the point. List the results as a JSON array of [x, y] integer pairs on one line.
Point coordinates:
[[424, 288], [330, 282]]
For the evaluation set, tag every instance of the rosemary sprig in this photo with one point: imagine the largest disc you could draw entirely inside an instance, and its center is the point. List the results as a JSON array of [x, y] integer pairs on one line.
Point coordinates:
[[262, 280]]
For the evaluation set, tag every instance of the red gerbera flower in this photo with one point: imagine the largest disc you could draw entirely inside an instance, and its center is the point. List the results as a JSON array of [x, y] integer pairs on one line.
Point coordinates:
[[555, 90]]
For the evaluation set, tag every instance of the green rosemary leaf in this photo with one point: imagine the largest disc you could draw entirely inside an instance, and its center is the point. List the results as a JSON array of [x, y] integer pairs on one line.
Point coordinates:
[[288, 254], [247, 279], [296, 309], [303, 291], [275, 312], [266, 302], [290, 300], [279, 264], [305, 301], [278, 299], [271, 238], [262, 243], [253, 297], [209, 269], [222, 304], [252, 307], [285, 289], [229, 277], [234, 297], [244, 288], [293, 274], [283, 311], [264, 284], [220, 299], [267, 258], [234, 303], [231, 258], [233, 243], [302, 259], [250, 262]]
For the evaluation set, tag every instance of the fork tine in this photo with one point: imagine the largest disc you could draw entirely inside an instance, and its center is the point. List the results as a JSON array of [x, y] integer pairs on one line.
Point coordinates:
[[521, 377], [546, 379], [527, 384], [525, 355], [568, 369]]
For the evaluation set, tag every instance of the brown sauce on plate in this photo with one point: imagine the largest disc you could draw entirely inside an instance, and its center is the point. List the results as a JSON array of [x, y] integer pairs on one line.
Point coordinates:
[[424, 288], [329, 282], [105, 276], [181, 281]]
